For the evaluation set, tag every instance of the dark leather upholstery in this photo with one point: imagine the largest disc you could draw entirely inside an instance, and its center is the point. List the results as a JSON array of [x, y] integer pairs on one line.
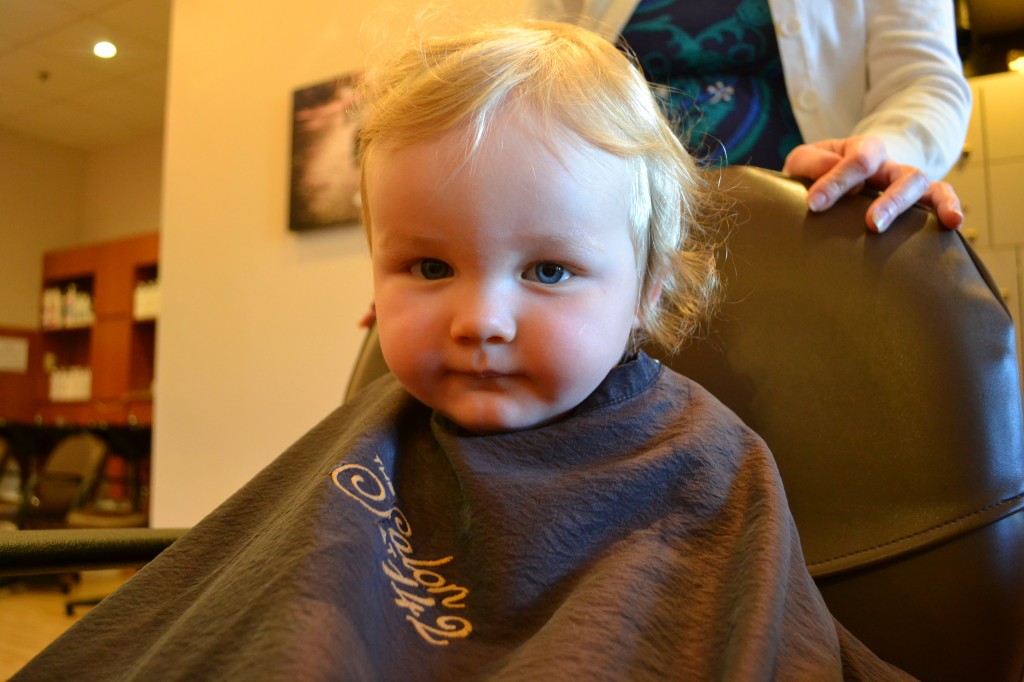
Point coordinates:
[[43, 552], [882, 372]]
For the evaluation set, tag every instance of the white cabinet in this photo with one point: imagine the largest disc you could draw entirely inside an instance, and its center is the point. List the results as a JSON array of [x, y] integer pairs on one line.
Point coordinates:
[[1003, 128], [1006, 200], [990, 182]]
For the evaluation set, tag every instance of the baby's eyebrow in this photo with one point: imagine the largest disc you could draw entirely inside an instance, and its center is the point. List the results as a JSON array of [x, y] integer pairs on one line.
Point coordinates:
[[387, 238], [572, 240], [578, 240]]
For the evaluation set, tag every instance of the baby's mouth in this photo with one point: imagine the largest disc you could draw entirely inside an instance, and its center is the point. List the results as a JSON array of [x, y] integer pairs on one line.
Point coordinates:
[[480, 374]]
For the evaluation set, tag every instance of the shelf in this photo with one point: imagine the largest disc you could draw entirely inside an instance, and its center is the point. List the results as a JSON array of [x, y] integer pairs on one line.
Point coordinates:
[[69, 329], [118, 349]]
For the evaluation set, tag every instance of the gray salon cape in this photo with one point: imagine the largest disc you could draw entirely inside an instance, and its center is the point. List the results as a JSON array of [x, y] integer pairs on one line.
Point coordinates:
[[645, 537]]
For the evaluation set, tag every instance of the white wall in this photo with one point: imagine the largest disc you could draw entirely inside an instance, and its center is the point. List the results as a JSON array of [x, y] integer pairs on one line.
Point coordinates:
[[41, 188], [258, 329], [122, 190]]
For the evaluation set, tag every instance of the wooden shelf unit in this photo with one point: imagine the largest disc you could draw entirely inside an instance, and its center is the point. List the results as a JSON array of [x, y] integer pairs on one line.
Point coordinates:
[[118, 349]]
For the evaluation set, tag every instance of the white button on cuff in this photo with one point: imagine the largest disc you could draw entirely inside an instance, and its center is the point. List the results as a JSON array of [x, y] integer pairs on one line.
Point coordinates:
[[807, 100], [790, 26]]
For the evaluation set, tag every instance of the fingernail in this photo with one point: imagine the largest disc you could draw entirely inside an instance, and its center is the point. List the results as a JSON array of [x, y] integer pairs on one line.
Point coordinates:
[[883, 217], [817, 201], [959, 218]]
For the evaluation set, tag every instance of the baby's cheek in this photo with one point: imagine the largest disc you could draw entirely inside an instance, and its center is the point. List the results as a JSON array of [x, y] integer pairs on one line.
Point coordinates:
[[565, 368]]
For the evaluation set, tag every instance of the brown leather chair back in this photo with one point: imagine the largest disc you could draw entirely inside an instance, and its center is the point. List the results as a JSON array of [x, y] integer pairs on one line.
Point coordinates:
[[882, 372]]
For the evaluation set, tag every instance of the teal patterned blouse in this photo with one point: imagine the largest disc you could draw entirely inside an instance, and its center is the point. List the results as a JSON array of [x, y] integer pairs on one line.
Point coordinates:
[[720, 61]]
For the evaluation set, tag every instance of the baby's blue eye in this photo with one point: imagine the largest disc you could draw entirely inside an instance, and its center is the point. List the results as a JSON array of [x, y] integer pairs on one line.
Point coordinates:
[[431, 268], [548, 273]]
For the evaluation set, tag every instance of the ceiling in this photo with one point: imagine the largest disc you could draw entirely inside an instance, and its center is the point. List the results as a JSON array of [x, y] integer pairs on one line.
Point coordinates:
[[990, 17], [53, 88]]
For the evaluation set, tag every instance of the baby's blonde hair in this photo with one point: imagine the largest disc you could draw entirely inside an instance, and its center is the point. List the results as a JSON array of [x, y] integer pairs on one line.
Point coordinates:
[[571, 77]]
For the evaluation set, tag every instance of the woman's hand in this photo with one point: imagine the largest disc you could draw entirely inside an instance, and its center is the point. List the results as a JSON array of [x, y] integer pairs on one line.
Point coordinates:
[[845, 166]]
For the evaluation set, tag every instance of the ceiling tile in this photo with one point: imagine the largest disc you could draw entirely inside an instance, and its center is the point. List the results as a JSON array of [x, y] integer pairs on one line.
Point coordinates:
[[123, 100], [154, 81], [7, 40], [31, 69], [78, 127], [33, 19], [88, 6], [13, 104], [150, 20]]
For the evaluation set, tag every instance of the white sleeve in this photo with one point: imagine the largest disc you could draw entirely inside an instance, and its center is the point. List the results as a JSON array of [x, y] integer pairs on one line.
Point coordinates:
[[607, 17], [918, 100]]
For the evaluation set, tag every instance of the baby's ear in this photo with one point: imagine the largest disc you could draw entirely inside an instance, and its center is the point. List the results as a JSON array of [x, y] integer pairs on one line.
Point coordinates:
[[653, 294], [649, 301]]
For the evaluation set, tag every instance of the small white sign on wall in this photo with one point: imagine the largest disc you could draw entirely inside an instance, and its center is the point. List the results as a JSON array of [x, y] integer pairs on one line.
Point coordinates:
[[13, 354]]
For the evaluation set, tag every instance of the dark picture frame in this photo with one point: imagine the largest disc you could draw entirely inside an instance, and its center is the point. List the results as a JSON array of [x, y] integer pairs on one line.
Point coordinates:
[[325, 154]]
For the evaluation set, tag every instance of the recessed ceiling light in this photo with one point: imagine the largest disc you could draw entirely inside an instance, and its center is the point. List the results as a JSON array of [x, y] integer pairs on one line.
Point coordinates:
[[104, 50]]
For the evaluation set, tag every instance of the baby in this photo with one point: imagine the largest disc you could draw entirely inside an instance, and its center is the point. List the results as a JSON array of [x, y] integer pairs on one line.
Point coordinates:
[[527, 495], [531, 217]]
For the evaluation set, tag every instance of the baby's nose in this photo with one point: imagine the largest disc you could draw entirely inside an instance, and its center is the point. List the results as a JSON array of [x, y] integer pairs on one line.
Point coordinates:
[[483, 316]]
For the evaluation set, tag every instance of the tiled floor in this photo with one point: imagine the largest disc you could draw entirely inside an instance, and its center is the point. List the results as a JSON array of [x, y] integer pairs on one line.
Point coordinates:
[[32, 614]]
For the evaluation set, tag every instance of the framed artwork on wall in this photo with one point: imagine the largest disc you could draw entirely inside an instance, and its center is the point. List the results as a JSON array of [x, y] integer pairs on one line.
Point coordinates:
[[325, 154]]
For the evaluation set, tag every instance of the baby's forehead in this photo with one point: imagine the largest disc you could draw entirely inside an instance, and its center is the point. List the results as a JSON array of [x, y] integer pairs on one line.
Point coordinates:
[[512, 176], [464, 147]]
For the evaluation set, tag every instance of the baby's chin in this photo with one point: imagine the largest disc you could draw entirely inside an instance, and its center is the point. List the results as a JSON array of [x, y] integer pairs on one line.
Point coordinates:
[[496, 425]]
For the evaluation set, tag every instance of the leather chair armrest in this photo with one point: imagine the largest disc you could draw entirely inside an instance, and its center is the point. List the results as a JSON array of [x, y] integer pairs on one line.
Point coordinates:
[[41, 552]]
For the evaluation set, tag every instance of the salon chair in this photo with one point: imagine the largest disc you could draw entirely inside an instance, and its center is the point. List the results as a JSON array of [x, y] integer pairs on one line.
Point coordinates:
[[28, 448], [64, 482], [131, 445], [10, 485], [882, 372], [121, 503]]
